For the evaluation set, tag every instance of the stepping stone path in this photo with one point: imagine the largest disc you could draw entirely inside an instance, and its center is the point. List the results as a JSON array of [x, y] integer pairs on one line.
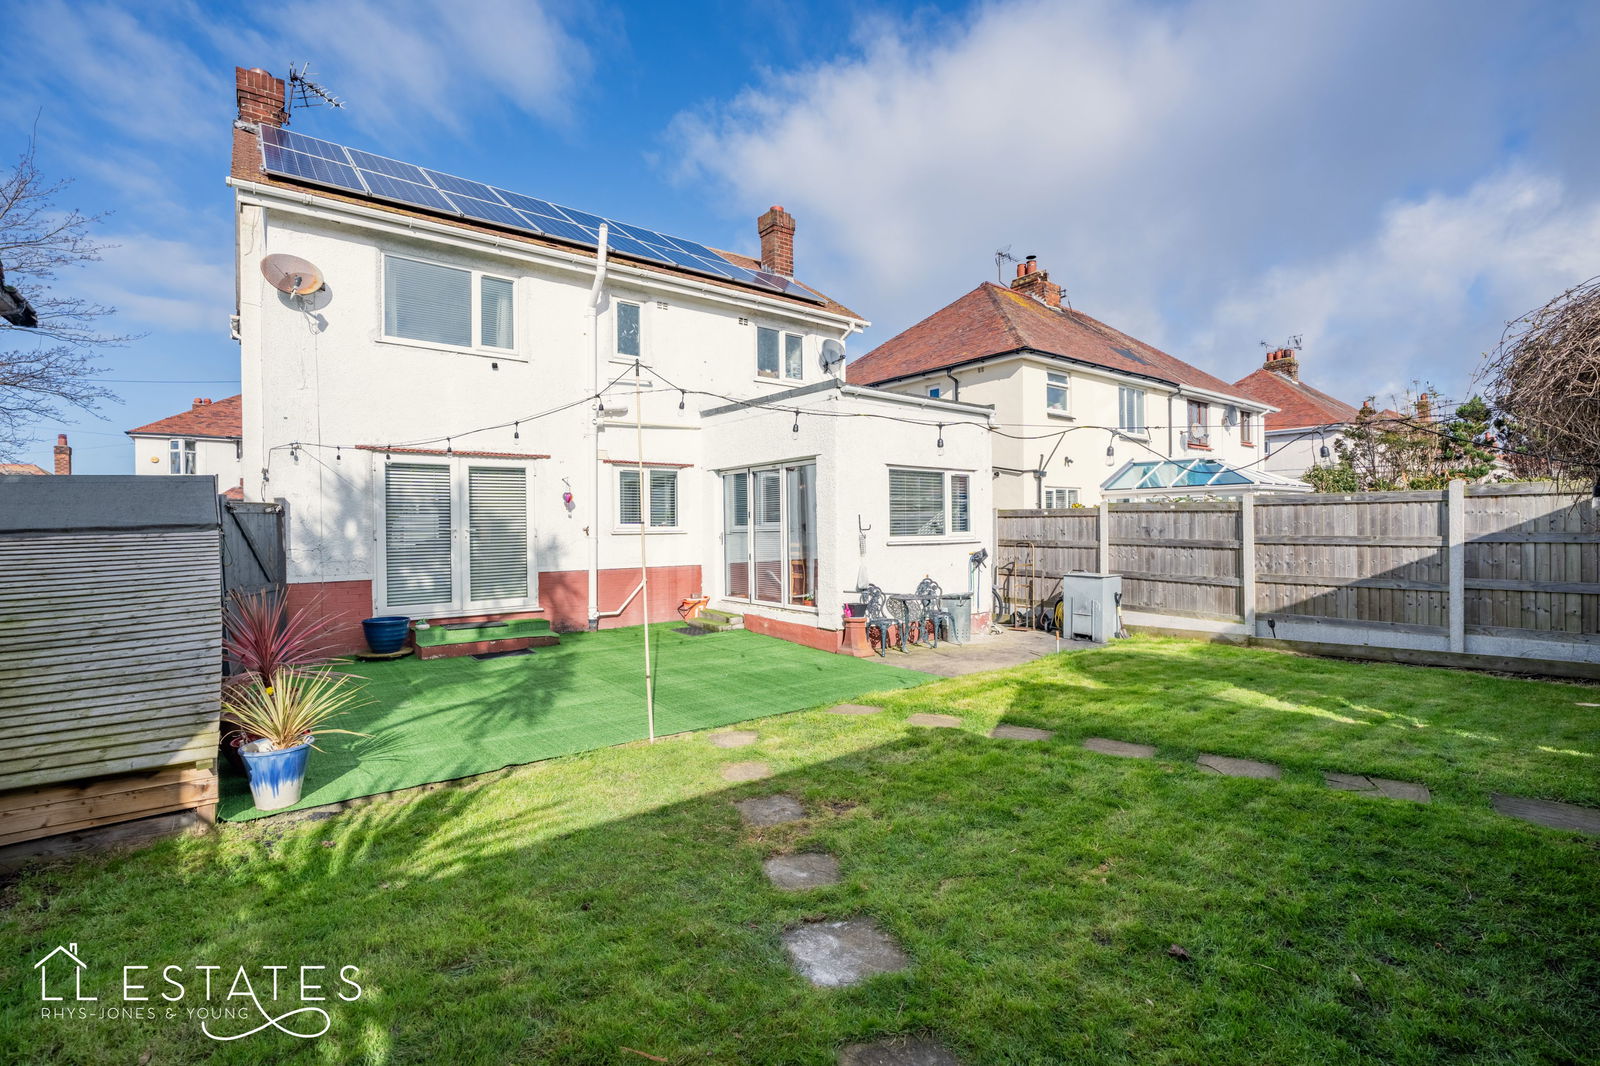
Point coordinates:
[[1019, 732], [796, 873], [1377, 786], [739, 738], [1118, 747], [935, 721], [839, 953], [746, 771], [1549, 813], [899, 1052], [770, 810], [1230, 767], [854, 708]]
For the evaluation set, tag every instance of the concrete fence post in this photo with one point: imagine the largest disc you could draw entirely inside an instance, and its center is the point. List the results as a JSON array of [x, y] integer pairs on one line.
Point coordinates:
[[1103, 536], [1456, 540], [1247, 562]]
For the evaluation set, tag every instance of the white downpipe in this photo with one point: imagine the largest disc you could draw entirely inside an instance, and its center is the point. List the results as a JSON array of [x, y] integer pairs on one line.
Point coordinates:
[[595, 292]]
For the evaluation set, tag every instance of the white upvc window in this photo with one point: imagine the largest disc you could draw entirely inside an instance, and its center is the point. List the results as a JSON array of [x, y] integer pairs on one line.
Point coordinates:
[[1130, 410], [1060, 499], [456, 537], [778, 353], [630, 329], [448, 306], [1247, 428], [929, 503], [769, 534], [180, 456], [659, 496], [1057, 392]]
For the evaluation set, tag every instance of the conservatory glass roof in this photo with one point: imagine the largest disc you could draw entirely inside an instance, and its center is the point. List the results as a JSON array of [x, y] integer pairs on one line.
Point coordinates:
[[1162, 474]]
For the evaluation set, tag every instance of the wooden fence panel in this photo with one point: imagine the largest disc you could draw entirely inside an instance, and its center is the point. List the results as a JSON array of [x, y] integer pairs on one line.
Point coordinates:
[[1181, 558]]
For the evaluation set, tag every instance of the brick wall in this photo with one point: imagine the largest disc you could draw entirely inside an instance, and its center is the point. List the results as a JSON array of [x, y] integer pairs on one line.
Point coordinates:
[[564, 594]]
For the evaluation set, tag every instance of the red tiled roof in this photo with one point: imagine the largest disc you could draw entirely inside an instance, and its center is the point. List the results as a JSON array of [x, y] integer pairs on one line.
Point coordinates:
[[1299, 405], [219, 418], [992, 319], [22, 468], [235, 493], [452, 451]]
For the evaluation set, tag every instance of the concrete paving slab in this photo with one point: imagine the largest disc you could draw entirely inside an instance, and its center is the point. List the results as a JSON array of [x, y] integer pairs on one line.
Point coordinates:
[[1378, 786], [839, 953], [746, 771], [1231, 767], [935, 721], [1120, 747], [985, 652], [739, 738], [770, 810], [1019, 732], [1551, 813], [854, 708], [899, 1051], [797, 873]]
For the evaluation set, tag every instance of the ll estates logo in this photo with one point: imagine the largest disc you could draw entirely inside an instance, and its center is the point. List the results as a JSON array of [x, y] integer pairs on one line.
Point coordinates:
[[228, 1002]]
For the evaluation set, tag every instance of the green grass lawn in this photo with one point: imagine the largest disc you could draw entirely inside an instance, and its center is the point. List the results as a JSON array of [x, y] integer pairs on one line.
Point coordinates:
[[565, 911], [447, 718]]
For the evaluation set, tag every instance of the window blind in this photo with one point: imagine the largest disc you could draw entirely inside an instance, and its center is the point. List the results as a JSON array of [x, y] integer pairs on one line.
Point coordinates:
[[916, 503], [427, 302], [663, 499], [628, 509], [497, 511], [960, 507], [627, 329], [495, 329], [766, 352], [1130, 409], [417, 534]]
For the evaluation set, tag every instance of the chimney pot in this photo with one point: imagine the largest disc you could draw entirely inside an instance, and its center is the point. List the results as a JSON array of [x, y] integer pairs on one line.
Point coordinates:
[[776, 229]]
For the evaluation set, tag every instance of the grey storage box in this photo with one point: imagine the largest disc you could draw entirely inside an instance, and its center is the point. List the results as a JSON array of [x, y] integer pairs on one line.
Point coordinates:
[[1091, 606]]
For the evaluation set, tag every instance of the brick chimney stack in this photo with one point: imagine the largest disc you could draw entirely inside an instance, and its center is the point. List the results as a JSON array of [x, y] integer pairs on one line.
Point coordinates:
[[777, 241], [1031, 281], [63, 455], [260, 96], [1283, 361]]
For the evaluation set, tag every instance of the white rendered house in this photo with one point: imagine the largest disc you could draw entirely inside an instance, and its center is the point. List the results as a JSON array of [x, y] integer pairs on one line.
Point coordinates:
[[1074, 399], [206, 439], [1308, 422], [476, 414]]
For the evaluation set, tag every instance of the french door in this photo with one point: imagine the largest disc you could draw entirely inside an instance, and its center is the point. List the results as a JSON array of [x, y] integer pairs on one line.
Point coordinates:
[[769, 534], [456, 537]]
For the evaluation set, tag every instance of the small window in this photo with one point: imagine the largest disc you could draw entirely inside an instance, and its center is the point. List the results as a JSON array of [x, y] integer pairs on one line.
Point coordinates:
[[628, 329], [933, 392], [427, 302], [1060, 499], [663, 498], [766, 352], [960, 504], [793, 357], [494, 313], [1199, 430], [1130, 410], [928, 503], [1247, 429], [180, 456], [1056, 392]]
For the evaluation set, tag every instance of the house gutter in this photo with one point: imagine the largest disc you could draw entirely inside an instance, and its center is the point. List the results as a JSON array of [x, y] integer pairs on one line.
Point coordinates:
[[592, 321]]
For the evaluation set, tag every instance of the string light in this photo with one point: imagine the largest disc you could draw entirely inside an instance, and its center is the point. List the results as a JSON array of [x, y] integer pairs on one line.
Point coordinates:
[[796, 428], [940, 443], [681, 397], [338, 456], [516, 432]]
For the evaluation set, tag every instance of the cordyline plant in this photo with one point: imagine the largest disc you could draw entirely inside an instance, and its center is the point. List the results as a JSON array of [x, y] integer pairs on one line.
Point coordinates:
[[264, 638], [291, 706]]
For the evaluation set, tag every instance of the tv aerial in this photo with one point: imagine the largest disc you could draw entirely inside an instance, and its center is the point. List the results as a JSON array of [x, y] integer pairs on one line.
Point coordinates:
[[1002, 256], [304, 92], [291, 275]]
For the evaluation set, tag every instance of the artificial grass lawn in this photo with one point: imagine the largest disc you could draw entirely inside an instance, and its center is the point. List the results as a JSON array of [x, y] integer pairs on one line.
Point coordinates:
[[447, 718], [564, 911]]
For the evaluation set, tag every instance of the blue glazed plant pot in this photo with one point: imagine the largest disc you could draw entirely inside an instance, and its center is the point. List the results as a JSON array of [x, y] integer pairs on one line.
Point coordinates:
[[387, 633], [276, 776]]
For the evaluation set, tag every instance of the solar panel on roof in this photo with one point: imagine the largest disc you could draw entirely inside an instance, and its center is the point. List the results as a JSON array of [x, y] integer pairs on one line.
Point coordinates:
[[296, 155]]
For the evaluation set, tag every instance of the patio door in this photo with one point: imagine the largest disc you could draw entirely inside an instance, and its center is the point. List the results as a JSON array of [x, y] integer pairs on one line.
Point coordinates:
[[455, 538], [769, 534]]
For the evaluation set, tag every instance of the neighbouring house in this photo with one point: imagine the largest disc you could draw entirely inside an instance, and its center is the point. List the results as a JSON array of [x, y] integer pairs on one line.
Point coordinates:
[[1076, 402], [205, 439], [63, 461], [471, 413], [22, 468], [1307, 422]]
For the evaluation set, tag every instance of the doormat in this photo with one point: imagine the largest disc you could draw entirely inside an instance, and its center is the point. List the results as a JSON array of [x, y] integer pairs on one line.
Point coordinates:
[[693, 631], [502, 654]]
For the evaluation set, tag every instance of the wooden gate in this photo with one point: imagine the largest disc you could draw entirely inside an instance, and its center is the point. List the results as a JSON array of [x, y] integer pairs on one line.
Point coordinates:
[[252, 546]]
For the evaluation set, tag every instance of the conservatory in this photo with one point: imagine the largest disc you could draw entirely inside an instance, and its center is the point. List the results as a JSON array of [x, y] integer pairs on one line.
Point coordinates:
[[1166, 479]]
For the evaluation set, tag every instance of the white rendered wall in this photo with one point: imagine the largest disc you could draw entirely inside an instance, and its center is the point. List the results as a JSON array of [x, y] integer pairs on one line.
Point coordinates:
[[218, 457]]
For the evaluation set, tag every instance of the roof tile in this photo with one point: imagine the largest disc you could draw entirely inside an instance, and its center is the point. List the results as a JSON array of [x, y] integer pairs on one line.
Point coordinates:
[[220, 418], [1298, 404]]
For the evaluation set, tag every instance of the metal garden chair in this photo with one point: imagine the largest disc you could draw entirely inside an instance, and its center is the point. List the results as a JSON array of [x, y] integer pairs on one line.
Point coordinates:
[[934, 612], [880, 618]]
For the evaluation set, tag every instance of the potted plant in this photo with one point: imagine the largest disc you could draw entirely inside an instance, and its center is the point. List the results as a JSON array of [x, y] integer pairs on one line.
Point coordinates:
[[281, 715]]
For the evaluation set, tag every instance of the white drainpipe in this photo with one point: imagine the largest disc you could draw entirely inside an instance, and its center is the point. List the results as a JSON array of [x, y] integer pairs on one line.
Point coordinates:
[[594, 388]]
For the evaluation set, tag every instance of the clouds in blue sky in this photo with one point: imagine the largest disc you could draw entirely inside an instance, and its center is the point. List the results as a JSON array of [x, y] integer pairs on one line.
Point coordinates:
[[1392, 181]]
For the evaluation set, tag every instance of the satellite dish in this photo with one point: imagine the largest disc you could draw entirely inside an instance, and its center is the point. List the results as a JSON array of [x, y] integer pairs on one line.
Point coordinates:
[[832, 355], [290, 274]]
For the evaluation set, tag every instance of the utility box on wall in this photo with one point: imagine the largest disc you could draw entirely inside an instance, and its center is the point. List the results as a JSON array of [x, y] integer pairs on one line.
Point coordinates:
[[1091, 606]]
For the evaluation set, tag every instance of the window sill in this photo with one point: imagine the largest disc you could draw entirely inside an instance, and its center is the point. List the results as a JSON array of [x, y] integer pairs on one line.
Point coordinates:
[[481, 353], [958, 538], [1196, 446], [441, 617], [788, 383], [633, 531], [1063, 415]]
